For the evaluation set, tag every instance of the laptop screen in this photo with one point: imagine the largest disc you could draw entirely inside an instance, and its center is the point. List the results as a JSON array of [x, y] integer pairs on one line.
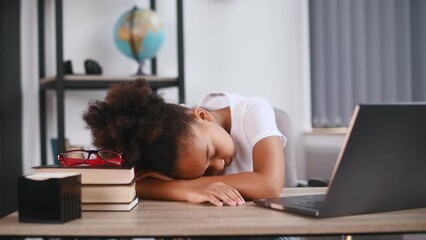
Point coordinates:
[[382, 165]]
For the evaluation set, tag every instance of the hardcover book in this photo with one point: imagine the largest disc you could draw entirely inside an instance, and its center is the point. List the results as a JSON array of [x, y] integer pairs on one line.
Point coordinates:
[[93, 174], [110, 206], [108, 193]]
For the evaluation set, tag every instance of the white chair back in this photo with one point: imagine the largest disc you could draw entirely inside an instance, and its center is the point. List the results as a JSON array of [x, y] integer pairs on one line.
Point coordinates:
[[284, 126]]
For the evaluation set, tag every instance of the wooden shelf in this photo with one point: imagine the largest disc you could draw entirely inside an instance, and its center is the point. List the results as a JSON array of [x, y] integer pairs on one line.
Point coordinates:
[[91, 82], [62, 82]]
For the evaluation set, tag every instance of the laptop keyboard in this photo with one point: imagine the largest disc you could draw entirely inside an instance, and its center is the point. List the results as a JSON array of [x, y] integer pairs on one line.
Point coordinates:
[[309, 204]]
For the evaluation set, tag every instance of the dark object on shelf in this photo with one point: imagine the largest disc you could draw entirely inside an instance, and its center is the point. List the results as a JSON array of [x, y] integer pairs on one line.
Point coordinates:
[[68, 67], [92, 67], [51, 199]]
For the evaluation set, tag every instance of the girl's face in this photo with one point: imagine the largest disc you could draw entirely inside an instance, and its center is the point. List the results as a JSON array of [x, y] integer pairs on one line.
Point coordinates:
[[207, 151]]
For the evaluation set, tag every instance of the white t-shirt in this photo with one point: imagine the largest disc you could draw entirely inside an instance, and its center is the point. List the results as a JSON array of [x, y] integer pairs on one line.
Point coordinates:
[[252, 119]]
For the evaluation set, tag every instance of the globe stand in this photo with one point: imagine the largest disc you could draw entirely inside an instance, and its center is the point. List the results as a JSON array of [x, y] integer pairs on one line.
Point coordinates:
[[140, 68]]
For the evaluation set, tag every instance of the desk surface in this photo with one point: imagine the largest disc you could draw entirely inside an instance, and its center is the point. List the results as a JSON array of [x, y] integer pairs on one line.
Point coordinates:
[[162, 218]]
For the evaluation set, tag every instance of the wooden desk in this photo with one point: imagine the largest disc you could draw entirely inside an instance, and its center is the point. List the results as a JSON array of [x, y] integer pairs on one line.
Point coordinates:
[[158, 218]]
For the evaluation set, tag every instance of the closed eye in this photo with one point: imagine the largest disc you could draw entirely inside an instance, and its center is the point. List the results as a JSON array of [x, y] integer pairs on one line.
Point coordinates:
[[207, 153], [210, 152]]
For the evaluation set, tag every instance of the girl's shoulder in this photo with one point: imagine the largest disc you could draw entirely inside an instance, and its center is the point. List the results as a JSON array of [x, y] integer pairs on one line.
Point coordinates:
[[217, 100]]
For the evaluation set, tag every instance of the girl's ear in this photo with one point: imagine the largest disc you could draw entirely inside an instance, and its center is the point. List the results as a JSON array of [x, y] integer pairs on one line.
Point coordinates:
[[202, 114]]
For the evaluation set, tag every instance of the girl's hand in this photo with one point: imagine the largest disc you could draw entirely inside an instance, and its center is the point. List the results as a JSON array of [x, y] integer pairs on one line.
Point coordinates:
[[216, 193]]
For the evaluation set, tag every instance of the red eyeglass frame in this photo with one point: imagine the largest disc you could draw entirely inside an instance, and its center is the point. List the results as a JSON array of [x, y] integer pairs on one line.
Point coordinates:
[[66, 161]]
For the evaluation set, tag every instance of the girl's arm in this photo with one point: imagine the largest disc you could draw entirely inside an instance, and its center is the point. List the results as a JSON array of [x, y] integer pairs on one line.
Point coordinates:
[[266, 180]]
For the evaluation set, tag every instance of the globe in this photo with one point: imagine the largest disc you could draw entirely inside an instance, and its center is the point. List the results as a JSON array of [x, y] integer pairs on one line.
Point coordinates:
[[139, 34]]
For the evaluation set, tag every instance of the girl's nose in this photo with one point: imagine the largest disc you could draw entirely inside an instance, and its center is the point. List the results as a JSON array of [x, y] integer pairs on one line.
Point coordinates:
[[218, 164], [216, 167]]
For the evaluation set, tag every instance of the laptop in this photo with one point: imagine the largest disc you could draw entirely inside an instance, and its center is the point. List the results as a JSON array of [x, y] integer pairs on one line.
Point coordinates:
[[381, 166]]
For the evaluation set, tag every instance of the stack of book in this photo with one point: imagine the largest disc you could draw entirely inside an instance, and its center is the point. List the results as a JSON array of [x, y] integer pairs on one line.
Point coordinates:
[[103, 188]]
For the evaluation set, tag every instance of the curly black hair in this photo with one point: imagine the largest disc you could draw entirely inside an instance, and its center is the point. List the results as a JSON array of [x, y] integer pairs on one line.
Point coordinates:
[[138, 122]]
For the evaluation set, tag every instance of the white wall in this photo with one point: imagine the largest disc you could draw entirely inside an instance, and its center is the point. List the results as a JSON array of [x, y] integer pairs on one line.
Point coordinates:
[[29, 85], [251, 47]]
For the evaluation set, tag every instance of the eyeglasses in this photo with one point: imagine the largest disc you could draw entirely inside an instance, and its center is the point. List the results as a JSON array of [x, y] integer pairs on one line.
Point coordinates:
[[91, 157]]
